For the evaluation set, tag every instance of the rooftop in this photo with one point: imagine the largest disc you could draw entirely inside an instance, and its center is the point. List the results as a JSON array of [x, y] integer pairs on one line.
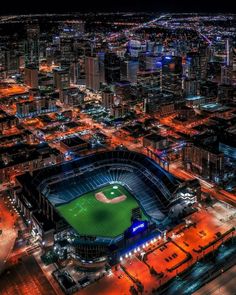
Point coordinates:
[[73, 141], [154, 137], [214, 107]]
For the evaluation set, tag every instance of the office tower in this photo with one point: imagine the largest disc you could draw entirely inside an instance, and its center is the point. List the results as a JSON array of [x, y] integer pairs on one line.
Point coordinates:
[[228, 53], [149, 62], [192, 68], [101, 58], [227, 68], [191, 87], [149, 81], [61, 79], [112, 68], [10, 58], [134, 47], [31, 46], [225, 93], [31, 76], [208, 89], [108, 98], [49, 55], [172, 75], [226, 75], [67, 51], [129, 69], [119, 111], [72, 96], [204, 160], [74, 72], [123, 91], [92, 72], [204, 55]]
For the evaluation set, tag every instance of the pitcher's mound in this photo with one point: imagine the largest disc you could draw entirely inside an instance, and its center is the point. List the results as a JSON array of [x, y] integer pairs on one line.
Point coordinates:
[[102, 198]]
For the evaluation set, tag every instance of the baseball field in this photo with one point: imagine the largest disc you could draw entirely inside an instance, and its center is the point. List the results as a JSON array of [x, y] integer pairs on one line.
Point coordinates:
[[105, 212]]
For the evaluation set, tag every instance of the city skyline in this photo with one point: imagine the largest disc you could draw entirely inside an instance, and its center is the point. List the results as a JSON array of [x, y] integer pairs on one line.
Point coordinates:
[[118, 150]]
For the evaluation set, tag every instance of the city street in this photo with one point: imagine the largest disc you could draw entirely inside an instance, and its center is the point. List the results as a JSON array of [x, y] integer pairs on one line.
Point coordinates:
[[9, 232]]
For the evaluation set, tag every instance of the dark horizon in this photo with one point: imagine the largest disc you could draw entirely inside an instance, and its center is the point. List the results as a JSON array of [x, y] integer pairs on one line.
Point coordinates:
[[44, 7]]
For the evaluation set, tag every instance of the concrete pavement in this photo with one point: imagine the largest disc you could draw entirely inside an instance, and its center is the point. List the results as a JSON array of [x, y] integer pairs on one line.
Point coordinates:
[[222, 285]]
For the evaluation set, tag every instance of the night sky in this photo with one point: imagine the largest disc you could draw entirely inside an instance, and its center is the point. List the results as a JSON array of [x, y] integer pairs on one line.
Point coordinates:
[[63, 6]]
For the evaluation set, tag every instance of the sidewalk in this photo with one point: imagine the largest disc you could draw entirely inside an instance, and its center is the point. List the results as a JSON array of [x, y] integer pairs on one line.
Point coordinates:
[[48, 270]]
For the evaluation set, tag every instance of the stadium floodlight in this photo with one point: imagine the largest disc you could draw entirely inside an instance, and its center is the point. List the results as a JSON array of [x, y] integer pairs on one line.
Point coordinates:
[[135, 250], [126, 255], [121, 258], [130, 253]]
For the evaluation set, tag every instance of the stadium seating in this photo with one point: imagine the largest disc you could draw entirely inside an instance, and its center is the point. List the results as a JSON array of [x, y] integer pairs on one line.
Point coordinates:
[[152, 186]]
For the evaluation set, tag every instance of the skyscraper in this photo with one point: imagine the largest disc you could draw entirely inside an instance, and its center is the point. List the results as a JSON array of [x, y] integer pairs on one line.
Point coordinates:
[[227, 68], [172, 75], [112, 68], [92, 72], [108, 98], [31, 76], [31, 46], [61, 79]]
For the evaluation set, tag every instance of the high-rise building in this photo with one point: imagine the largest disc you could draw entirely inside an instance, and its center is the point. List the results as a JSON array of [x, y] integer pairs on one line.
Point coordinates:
[[108, 98], [225, 93], [67, 50], [31, 46], [112, 68], [123, 90], [119, 111], [149, 82], [101, 58], [75, 72], [134, 47], [229, 53], [204, 160], [172, 75], [92, 72], [72, 96], [11, 59], [61, 79], [191, 87], [31, 76], [129, 69], [208, 89], [226, 75], [149, 62], [227, 68], [204, 55], [192, 68]]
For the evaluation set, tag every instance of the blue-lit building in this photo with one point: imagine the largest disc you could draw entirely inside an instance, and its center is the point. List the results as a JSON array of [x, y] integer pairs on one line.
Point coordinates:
[[172, 75]]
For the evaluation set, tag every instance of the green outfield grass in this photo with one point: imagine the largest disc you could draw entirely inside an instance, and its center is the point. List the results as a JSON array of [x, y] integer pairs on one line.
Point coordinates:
[[88, 216]]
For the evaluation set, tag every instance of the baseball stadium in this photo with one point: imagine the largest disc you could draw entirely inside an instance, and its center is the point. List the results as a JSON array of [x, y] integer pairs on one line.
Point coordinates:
[[102, 204], [104, 212]]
